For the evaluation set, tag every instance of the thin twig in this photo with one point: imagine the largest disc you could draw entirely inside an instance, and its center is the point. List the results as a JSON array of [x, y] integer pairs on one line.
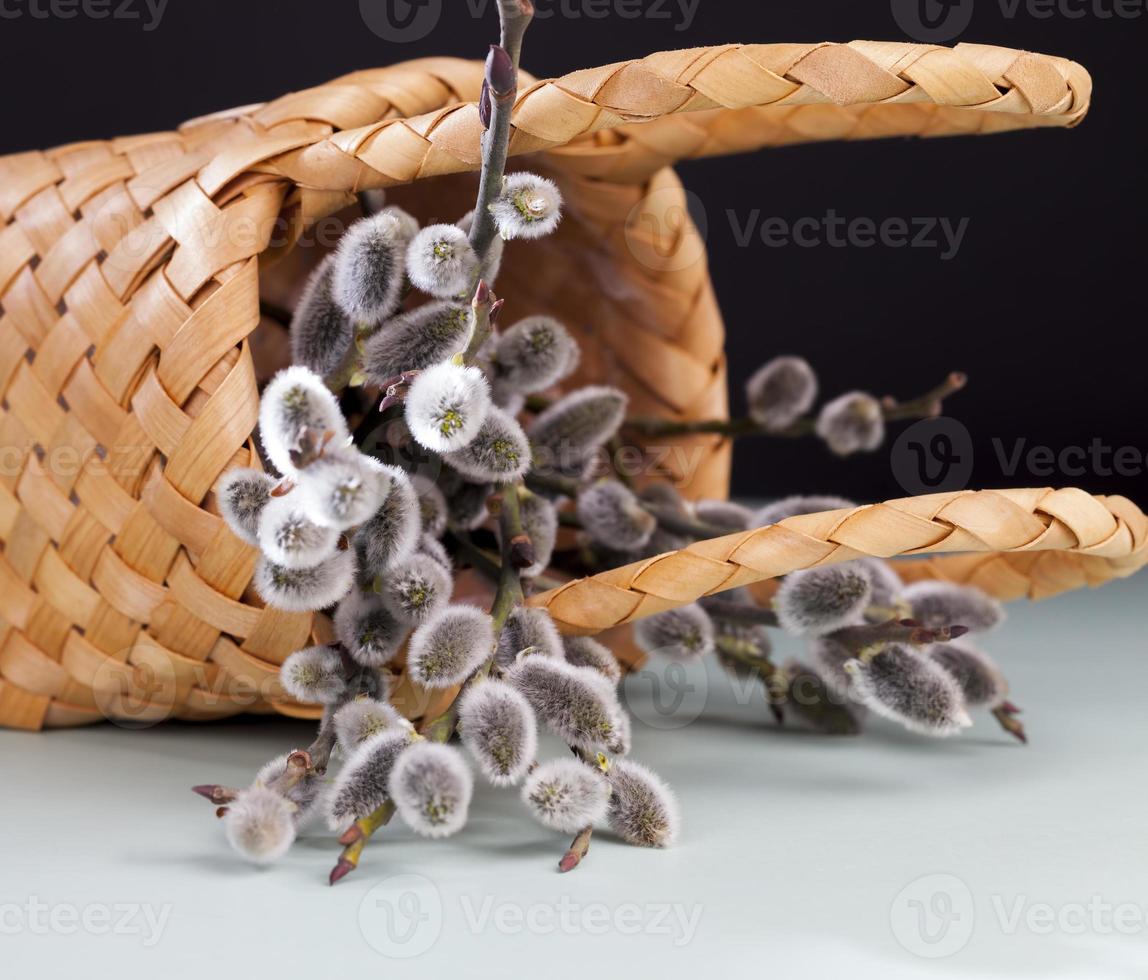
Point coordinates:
[[928, 405]]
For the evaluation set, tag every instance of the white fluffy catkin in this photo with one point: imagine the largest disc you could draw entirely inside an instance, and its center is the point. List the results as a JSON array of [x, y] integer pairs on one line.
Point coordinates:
[[361, 786], [817, 601], [342, 488], [367, 273], [260, 824], [321, 333], [416, 589], [685, 633], [241, 495], [500, 452], [440, 261], [296, 400], [499, 730], [446, 406], [901, 684], [450, 646], [289, 538], [305, 589], [853, 423], [369, 632], [643, 809], [431, 785], [314, 675], [529, 206], [566, 795], [433, 509], [577, 703], [416, 340], [363, 718], [724, 515], [781, 392]]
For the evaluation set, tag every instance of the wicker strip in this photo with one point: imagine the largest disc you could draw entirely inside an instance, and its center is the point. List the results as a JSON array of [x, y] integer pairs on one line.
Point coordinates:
[[1040, 543]]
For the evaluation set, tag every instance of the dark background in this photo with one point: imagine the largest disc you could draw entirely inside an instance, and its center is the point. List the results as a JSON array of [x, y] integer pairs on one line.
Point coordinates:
[[1044, 305]]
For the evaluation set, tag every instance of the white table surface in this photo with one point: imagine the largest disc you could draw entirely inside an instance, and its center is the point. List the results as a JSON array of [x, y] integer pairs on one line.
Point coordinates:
[[802, 856]]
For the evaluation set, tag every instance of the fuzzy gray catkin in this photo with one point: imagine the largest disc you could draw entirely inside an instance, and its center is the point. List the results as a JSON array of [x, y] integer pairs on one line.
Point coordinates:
[[540, 523], [817, 601], [367, 270], [433, 548], [724, 515], [566, 795], [901, 684], [534, 354], [611, 514], [852, 423], [296, 401], [585, 651], [528, 628], [500, 453], [368, 630], [940, 604], [780, 510], [289, 538], [450, 646], [578, 424], [302, 793], [314, 675], [361, 786], [431, 785], [577, 703], [433, 508], [321, 332], [361, 719], [392, 533], [499, 730], [781, 392], [685, 632], [242, 494], [643, 809], [416, 340], [466, 502], [981, 681], [416, 589], [305, 589]]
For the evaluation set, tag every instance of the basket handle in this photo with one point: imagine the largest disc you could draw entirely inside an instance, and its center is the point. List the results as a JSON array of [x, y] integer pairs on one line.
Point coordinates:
[[1010, 543], [419, 119]]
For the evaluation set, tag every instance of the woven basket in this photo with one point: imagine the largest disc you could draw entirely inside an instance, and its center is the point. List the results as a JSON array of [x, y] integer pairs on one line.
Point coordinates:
[[131, 273]]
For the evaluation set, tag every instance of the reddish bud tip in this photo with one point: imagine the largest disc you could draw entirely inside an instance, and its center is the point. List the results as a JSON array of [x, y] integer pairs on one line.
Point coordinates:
[[570, 860], [340, 871], [522, 553], [1011, 708], [481, 294], [350, 835], [496, 308], [221, 812], [501, 75], [207, 792], [956, 632]]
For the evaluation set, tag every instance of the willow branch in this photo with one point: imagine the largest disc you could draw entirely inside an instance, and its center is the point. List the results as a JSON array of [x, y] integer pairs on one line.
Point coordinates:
[[928, 405]]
